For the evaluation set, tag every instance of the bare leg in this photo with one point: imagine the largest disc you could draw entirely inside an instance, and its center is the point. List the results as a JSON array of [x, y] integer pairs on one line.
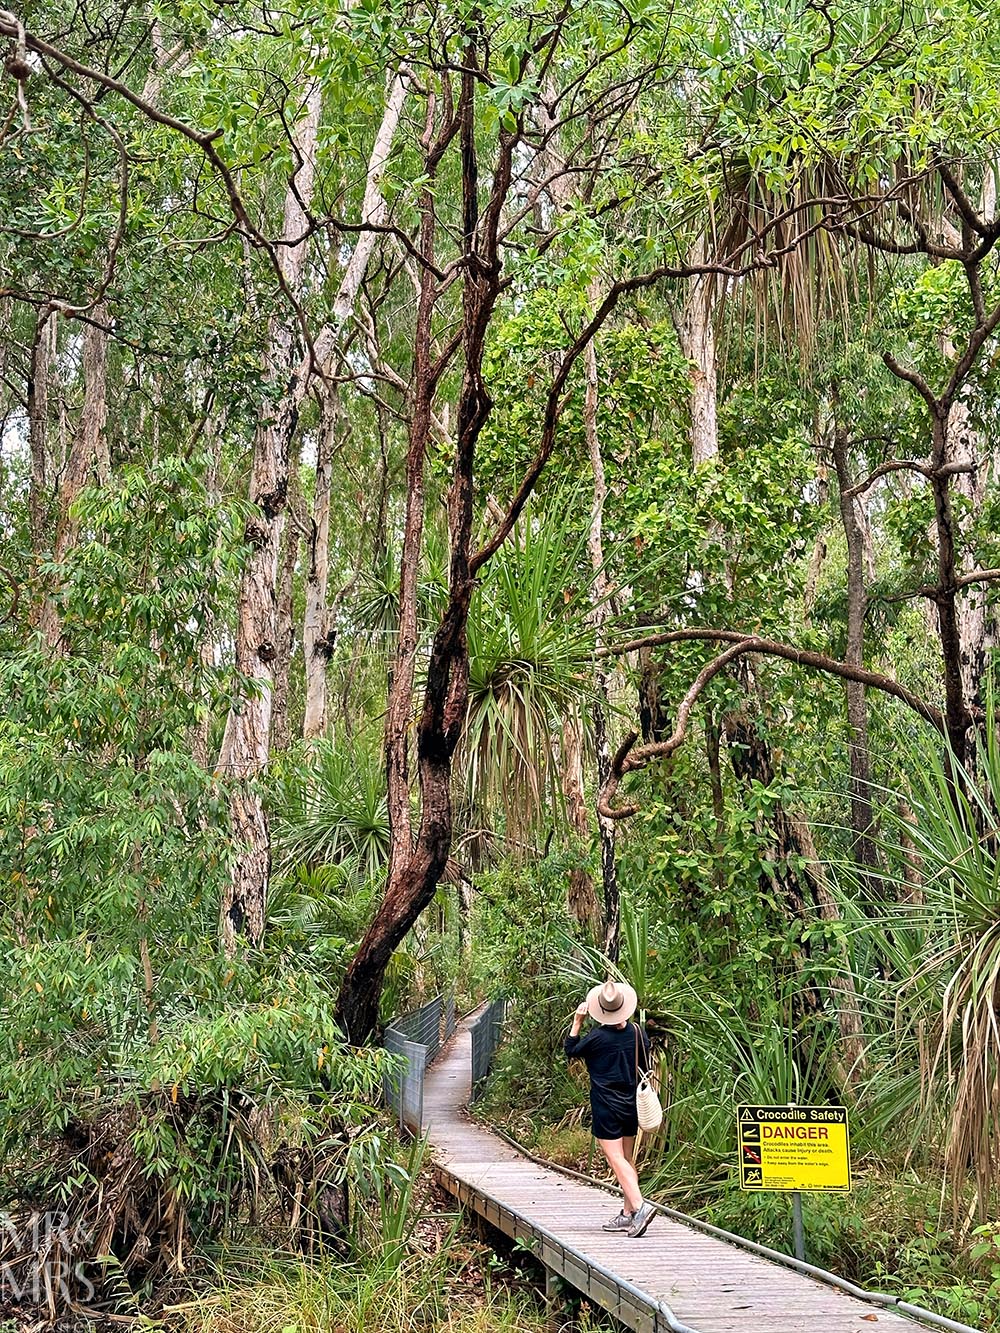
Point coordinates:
[[628, 1148], [624, 1172]]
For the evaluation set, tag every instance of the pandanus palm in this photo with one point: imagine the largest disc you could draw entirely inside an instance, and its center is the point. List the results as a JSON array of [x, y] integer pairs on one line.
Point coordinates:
[[530, 648], [941, 939]]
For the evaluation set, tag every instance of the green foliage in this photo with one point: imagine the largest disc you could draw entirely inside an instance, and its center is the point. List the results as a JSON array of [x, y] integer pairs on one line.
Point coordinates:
[[334, 810], [530, 645], [124, 1036], [146, 1079]]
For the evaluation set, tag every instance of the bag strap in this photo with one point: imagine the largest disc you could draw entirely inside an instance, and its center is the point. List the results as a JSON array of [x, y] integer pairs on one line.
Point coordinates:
[[637, 1071]]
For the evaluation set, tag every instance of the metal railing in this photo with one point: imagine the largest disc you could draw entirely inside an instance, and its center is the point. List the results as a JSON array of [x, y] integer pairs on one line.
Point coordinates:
[[486, 1032], [415, 1038]]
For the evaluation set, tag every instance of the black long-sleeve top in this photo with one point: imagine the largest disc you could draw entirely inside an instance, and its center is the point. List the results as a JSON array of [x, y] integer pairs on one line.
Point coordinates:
[[610, 1056]]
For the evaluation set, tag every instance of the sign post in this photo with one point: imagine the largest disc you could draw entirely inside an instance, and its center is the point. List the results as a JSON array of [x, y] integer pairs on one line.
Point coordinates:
[[798, 1230], [794, 1148]]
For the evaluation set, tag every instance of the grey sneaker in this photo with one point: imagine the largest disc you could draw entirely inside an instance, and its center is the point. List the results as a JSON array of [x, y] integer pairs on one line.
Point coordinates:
[[620, 1223], [642, 1219]]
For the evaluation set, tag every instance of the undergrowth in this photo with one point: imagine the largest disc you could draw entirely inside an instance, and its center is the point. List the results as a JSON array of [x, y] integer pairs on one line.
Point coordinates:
[[438, 1277]]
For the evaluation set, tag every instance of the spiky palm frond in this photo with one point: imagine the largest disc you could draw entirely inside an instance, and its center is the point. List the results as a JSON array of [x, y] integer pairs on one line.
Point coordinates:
[[337, 815], [943, 945], [530, 654]]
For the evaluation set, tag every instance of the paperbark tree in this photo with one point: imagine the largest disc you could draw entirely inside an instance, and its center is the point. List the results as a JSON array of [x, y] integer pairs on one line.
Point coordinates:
[[246, 742], [281, 735], [857, 703], [42, 357], [87, 460], [581, 899], [600, 614], [696, 334], [316, 645], [316, 629]]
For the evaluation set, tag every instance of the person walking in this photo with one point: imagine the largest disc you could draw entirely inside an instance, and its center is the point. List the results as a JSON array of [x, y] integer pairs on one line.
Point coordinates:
[[612, 1051]]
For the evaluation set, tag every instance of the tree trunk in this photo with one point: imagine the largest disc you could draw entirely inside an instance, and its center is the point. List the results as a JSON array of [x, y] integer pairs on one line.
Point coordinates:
[[42, 356], [600, 613], [582, 900], [818, 557], [957, 717], [316, 640], [606, 828], [88, 458], [316, 634], [857, 703], [413, 865], [417, 861], [654, 724], [374, 210], [285, 638], [696, 334], [213, 436], [967, 447], [246, 743]]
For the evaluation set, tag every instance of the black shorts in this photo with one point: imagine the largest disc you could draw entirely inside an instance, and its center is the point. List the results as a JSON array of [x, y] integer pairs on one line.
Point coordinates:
[[613, 1118]]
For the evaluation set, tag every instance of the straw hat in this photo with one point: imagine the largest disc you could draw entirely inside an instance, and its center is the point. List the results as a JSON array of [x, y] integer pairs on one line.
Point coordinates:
[[611, 1003]]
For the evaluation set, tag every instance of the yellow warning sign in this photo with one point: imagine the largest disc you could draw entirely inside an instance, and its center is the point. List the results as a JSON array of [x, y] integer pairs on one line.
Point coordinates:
[[794, 1148]]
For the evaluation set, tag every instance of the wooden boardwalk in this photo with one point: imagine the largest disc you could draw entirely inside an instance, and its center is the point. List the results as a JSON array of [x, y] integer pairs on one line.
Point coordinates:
[[674, 1278]]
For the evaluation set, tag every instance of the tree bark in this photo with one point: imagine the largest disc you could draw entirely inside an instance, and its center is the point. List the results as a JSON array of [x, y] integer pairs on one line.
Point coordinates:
[[967, 447], [316, 643], [246, 742], [42, 356], [599, 615], [581, 898], [696, 334], [88, 458], [418, 857], [374, 211], [285, 637], [857, 703], [957, 717], [818, 557], [414, 864], [213, 488], [316, 634]]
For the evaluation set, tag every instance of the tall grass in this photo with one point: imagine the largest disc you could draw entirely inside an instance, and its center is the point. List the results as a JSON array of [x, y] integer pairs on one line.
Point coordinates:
[[425, 1291]]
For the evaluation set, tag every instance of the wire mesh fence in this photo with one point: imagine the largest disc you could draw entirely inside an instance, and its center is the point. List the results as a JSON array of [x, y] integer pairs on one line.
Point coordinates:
[[404, 1084], [415, 1038], [423, 1025], [486, 1032]]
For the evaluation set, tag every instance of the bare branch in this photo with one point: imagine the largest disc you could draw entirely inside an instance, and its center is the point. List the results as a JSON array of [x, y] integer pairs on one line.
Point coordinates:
[[977, 576], [883, 470], [629, 759], [914, 378]]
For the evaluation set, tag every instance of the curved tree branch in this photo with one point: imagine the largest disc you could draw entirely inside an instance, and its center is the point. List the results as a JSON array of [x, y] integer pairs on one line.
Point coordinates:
[[628, 759]]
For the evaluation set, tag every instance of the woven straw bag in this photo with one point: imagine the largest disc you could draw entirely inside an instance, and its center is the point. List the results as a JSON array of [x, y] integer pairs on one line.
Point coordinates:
[[647, 1103]]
